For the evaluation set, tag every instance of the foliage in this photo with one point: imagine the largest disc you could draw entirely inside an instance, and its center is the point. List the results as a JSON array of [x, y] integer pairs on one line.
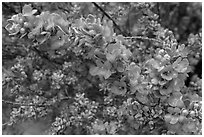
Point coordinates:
[[90, 75]]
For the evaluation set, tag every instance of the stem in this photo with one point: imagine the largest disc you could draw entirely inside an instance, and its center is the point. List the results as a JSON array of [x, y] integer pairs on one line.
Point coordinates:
[[106, 14], [144, 38], [22, 104], [36, 105], [42, 55]]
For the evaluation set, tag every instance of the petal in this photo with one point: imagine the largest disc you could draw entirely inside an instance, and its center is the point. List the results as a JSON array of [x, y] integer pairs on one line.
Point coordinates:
[[27, 10], [174, 120], [93, 70]]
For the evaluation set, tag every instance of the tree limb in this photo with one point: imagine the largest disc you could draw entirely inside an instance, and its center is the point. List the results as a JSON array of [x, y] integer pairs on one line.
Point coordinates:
[[106, 14], [35, 105], [144, 38], [23, 104]]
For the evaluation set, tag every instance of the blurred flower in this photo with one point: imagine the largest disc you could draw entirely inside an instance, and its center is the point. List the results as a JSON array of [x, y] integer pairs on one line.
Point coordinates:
[[181, 65], [168, 73], [119, 88]]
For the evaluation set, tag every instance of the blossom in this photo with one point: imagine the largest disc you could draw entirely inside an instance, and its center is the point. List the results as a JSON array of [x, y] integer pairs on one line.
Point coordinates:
[[176, 100], [168, 73], [119, 88], [181, 65]]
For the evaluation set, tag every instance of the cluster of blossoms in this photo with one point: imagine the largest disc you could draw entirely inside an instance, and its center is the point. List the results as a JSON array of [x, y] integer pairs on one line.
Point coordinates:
[[27, 109], [57, 79], [81, 111], [142, 81]]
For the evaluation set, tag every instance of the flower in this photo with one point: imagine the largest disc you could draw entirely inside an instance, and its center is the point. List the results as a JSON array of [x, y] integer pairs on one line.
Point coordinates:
[[101, 69], [119, 88], [13, 28], [168, 73], [113, 51], [28, 11], [133, 71], [181, 65], [178, 82], [175, 100]]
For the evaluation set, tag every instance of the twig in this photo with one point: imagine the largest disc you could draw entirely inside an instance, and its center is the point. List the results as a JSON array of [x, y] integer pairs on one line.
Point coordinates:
[[23, 104], [42, 55], [36, 105], [106, 14], [144, 38], [4, 124], [61, 8], [158, 10]]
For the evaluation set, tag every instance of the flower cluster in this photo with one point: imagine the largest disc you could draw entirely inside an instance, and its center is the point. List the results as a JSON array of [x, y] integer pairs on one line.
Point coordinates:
[[104, 81]]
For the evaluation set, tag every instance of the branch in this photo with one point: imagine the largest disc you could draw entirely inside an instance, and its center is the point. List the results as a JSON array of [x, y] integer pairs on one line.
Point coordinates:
[[106, 14], [4, 124], [158, 10], [35, 105], [144, 38], [42, 55], [22, 104]]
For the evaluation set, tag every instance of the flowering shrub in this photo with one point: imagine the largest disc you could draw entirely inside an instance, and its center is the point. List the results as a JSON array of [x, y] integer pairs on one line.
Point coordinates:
[[93, 77]]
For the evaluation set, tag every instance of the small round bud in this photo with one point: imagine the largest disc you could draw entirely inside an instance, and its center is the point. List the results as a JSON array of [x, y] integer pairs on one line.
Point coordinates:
[[31, 36], [185, 112], [168, 118], [22, 30], [196, 105], [21, 20], [192, 113], [27, 24], [181, 118]]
